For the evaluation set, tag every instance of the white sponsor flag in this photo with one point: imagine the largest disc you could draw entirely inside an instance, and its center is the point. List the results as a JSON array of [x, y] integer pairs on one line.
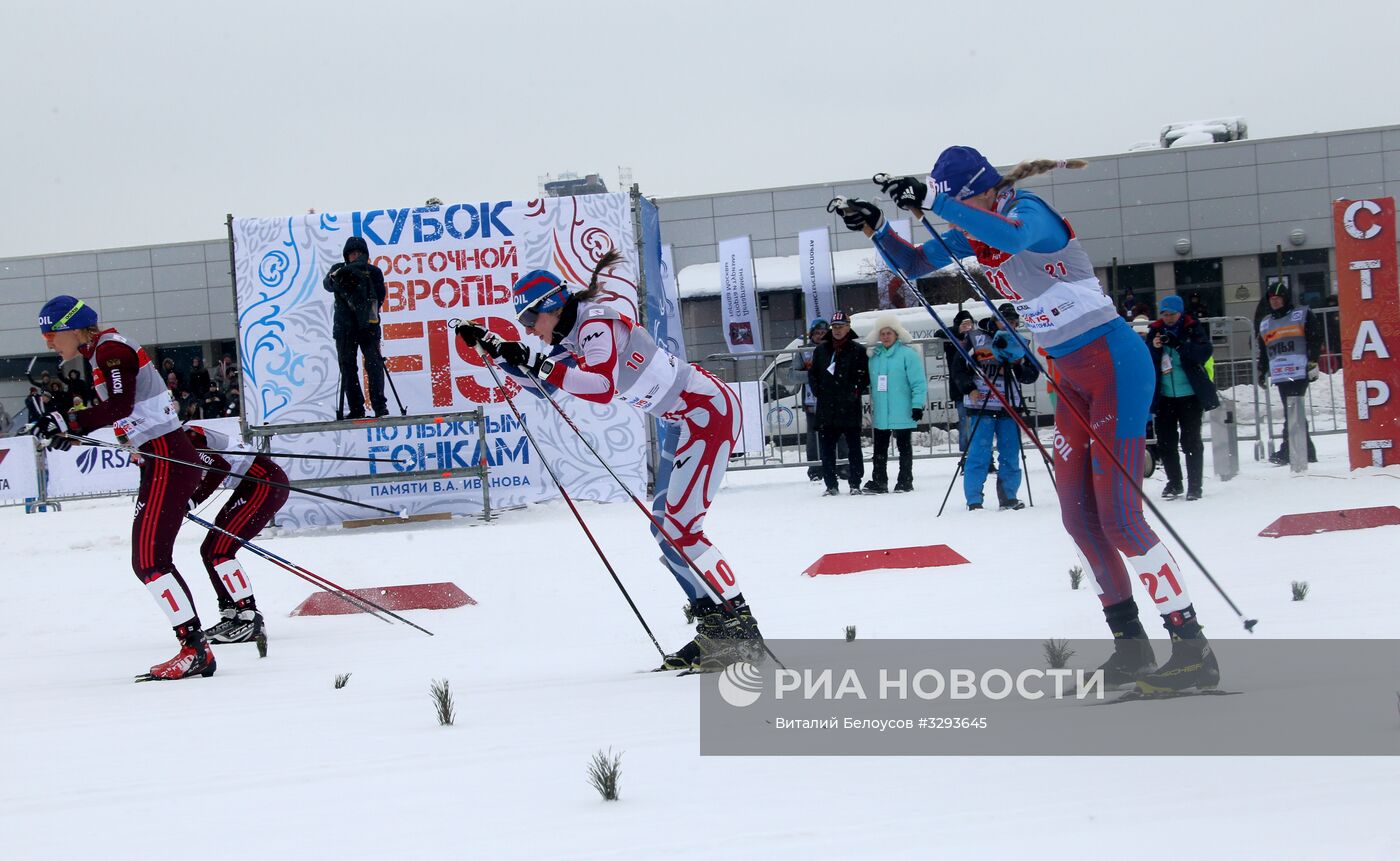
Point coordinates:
[[814, 265], [742, 331]]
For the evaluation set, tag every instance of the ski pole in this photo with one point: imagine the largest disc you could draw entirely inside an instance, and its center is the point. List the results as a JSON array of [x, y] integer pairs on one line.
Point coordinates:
[[403, 410], [333, 457], [358, 601], [402, 515], [660, 529], [495, 378], [1083, 420]]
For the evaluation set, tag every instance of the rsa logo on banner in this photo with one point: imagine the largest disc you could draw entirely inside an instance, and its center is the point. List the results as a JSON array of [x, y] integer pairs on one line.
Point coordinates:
[[1368, 293], [102, 458]]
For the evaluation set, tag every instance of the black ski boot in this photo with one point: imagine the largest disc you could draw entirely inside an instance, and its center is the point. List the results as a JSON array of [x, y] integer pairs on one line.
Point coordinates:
[[721, 638], [240, 624], [1192, 665], [1172, 490], [1132, 652], [873, 486]]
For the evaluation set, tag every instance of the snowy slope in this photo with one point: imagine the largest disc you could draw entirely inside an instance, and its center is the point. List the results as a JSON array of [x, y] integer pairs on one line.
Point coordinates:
[[268, 760]]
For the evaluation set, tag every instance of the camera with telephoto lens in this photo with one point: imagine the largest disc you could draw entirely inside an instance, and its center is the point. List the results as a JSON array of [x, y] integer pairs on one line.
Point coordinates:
[[1001, 341]]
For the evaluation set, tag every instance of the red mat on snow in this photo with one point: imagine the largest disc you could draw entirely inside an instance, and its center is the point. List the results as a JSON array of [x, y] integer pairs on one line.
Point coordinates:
[[423, 596], [929, 556], [1332, 521]]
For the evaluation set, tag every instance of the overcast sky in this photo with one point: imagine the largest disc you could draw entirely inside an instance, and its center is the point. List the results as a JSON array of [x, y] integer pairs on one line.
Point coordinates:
[[144, 122]]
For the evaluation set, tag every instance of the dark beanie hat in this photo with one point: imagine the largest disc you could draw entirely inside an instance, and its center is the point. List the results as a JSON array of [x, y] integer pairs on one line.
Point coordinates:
[[355, 243]]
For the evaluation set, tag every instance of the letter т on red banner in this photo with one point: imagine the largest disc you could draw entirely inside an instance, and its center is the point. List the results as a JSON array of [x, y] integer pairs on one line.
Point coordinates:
[[1368, 293]]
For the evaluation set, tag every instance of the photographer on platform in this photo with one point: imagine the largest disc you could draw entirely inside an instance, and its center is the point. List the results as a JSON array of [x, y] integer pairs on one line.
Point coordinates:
[[358, 287]]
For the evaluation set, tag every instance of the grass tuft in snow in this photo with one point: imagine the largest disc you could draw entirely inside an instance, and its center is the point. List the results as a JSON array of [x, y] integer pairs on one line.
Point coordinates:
[[1300, 590], [689, 612], [441, 691], [604, 771], [341, 679], [1057, 653], [850, 633], [1076, 576], [261, 642]]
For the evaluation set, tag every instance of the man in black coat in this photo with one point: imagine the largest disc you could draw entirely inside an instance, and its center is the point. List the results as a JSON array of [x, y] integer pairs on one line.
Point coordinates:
[[840, 376], [199, 377], [34, 405], [358, 287], [1180, 347]]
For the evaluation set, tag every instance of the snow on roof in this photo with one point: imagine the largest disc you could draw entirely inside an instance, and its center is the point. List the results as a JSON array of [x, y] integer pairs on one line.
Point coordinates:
[[857, 266]]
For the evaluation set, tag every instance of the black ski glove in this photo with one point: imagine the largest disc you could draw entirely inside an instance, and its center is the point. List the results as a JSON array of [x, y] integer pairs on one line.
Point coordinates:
[[52, 428], [521, 356], [918, 414], [907, 192], [859, 214], [475, 334]]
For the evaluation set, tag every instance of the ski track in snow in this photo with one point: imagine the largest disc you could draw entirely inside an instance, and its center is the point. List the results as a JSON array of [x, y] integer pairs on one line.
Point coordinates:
[[268, 759]]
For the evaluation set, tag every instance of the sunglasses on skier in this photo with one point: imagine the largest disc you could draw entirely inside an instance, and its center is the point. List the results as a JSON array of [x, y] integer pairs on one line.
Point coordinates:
[[530, 313]]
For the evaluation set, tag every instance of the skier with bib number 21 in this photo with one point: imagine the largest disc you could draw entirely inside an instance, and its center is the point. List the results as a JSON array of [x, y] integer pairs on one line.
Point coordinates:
[[1031, 256]]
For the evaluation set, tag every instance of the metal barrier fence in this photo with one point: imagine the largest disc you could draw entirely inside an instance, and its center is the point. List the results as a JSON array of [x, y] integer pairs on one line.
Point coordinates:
[[771, 389]]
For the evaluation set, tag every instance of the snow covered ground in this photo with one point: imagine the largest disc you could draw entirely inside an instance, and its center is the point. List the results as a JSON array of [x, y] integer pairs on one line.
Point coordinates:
[[267, 760]]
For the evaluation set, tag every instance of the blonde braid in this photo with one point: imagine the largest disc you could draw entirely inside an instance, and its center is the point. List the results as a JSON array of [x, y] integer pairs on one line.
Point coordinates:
[[1035, 167]]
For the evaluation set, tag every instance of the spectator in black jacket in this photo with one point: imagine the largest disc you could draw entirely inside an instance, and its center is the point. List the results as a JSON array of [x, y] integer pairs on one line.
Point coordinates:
[[962, 326], [199, 376], [167, 367], [34, 405], [214, 403], [1180, 347], [840, 376], [358, 287], [79, 386]]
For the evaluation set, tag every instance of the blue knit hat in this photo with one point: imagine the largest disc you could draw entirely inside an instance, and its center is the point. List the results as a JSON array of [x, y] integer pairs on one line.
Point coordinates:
[[64, 314], [538, 291], [962, 172], [1172, 304]]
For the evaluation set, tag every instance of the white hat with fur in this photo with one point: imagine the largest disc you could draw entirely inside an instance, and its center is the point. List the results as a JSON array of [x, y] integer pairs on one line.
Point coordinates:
[[887, 321]]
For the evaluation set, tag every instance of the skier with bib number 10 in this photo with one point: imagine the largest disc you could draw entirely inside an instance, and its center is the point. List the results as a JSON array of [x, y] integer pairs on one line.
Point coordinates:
[[600, 355]]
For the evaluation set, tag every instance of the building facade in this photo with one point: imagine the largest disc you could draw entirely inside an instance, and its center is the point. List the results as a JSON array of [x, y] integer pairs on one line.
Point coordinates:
[[1213, 222]]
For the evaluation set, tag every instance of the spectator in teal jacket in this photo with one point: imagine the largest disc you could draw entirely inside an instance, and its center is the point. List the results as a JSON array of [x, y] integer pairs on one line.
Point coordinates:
[[898, 392]]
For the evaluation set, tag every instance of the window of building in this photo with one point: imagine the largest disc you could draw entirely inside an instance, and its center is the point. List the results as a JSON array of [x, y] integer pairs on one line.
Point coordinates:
[[1201, 285], [1305, 272], [1131, 286]]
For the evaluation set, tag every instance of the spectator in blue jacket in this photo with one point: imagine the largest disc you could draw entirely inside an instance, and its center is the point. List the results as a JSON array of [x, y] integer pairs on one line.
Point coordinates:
[[898, 392], [1180, 348], [1003, 365]]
